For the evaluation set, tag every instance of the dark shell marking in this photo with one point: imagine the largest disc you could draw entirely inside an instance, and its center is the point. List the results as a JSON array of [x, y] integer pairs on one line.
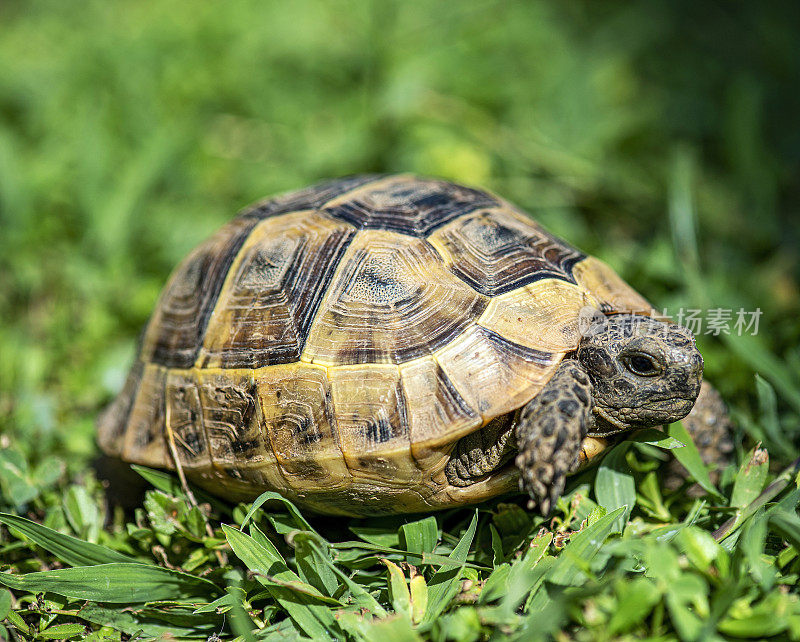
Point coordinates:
[[495, 252], [264, 314], [311, 198], [407, 205], [391, 301]]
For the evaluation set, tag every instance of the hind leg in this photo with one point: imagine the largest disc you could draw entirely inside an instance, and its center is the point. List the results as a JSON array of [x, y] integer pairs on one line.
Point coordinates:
[[481, 452], [549, 434]]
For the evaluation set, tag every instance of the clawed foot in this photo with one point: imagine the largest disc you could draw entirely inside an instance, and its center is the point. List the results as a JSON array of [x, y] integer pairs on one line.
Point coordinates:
[[549, 435], [544, 479]]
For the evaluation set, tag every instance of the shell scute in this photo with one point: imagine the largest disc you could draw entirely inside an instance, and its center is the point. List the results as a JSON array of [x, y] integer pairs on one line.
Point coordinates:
[[175, 332], [407, 204], [437, 413], [310, 198], [144, 441], [392, 300], [606, 286], [185, 424], [274, 289], [496, 251], [372, 422], [542, 315], [229, 418], [298, 417], [492, 374]]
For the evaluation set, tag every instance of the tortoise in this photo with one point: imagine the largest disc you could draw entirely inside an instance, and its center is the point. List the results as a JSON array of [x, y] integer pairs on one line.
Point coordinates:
[[389, 344]]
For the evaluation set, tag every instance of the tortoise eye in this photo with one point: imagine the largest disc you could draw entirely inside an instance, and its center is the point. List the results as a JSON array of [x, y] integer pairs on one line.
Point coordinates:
[[642, 365]]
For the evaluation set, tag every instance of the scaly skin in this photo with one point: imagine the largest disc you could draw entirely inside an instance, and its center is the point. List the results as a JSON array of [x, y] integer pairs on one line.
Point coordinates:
[[481, 452]]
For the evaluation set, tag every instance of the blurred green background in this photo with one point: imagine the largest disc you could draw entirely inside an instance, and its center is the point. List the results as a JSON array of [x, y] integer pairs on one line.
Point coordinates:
[[661, 136]]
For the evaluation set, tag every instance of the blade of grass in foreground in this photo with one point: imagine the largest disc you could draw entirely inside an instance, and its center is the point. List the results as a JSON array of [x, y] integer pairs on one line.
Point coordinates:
[[118, 583], [158, 625], [315, 619], [418, 559], [420, 536], [361, 597], [767, 495], [690, 458], [575, 557], [168, 483], [444, 584], [300, 521], [68, 549], [614, 486]]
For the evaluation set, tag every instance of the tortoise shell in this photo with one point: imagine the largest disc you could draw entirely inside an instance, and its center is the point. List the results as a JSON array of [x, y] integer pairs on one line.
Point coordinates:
[[333, 344]]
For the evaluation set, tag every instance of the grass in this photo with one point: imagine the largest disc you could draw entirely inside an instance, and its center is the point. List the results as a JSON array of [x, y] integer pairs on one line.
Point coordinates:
[[659, 136]]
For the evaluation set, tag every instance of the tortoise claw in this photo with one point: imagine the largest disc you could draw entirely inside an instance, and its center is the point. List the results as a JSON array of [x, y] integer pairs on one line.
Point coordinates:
[[545, 507], [543, 482]]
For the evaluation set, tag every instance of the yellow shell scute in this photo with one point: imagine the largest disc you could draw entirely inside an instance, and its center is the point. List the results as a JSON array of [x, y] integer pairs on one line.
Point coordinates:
[[492, 375], [608, 288], [543, 315], [371, 419], [437, 413], [391, 300], [300, 424]]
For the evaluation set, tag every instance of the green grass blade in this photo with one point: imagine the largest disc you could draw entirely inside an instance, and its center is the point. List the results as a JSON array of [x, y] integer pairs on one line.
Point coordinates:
[[399, 593], [614, 486], [636, 599], [5, 604], [655, 437], [361, 598], [376, 535], [750, 478], [444, 584], [420, 536], [310, 562], [156, 625], [418, 559], [259, 536], [68, 549], [752, 351], [690, 458], [61, 632], [314, 619], [269, 568], [582, 548], [524, 575], [787, 525], [570, 564], [270, 496], [770, 422], [116, 583], [167, 483]]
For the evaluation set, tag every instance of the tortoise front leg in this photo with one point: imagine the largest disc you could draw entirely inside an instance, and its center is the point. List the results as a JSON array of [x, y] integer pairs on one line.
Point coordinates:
[[550, 431]]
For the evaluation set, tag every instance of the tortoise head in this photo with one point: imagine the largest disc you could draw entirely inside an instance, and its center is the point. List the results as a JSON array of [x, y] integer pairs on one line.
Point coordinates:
[[644, 372]]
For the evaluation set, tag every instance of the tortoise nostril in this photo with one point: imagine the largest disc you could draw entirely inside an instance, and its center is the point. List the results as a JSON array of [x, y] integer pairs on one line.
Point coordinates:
[[693, 366]]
